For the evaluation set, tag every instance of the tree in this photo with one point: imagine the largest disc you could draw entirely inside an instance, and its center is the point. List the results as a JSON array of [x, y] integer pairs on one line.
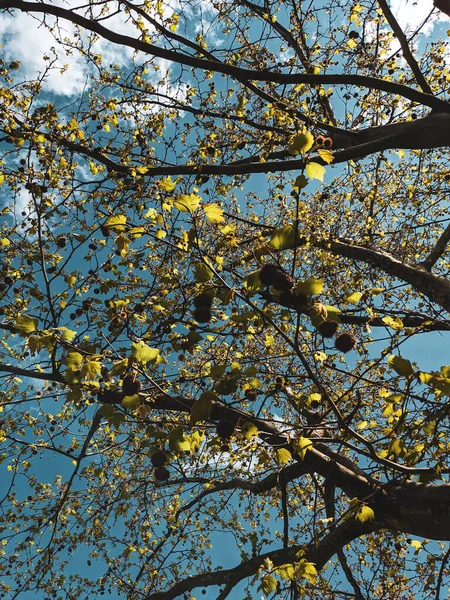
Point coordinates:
[[205, 343]]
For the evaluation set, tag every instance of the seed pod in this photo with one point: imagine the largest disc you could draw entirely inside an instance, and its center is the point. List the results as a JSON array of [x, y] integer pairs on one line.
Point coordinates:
[[345, 342], [279, 383], [251, 395], [320, 310], [292, 300], [225, 428], [130, 385], [161, 474], [328, 328], [158, 459], [202, 314], [203, 299], [273, 275]]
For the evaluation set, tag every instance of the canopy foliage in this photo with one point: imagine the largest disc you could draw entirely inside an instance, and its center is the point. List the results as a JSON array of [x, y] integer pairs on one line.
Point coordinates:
[[224, 303]]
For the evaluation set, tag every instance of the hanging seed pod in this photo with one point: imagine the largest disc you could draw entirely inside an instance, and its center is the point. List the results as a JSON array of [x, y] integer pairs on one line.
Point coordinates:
[[203, 299], [202, 314], [328, 328], [158, 459], [130, 385], [345, 342], [273, 275], [225, 428], [161, 474]]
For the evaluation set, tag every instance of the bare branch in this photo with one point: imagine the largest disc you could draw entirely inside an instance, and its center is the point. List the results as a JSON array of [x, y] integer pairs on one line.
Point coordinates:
[[404, 46]]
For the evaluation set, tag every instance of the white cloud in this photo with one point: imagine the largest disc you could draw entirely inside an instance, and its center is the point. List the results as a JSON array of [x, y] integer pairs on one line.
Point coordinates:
[[23, 39], [26, 39], [412, 13]]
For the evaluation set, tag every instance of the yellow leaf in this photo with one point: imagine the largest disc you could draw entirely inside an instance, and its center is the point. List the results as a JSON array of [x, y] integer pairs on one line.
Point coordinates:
[[283, 456], [364, 513], [354, 298], [2, 178], [4, 242], [315, 171], [268, 584], [26, 325], [116, 223], [307, 570], [302, 445], [301, 143], [213, 213], [249, 430], [396, 323], [417, 545], [187, 202], [166, 184], [402, 366], [122, 243], [310, 287], [325, 155]]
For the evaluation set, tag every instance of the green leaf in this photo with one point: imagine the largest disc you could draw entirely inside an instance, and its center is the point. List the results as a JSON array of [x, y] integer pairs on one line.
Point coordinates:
[[25, 325], [315, 171], [402, 366], [66, 334], [213, 213], [301, 143], [131, 402], [187, 202], [216, 371], [228, 385], [73, 360], [116, 223], [300, 183], [201, 411], [119, 368], [144, 354], [310, 287], [203, 273], [252, 281], [178, 442], [106, 410], [284, 238], [91, 369]]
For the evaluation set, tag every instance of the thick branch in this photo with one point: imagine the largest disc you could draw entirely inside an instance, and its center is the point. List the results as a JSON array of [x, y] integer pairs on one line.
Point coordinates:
[[438, 250], [317, 553], [57, 377], [434, 287], [237, 72]]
